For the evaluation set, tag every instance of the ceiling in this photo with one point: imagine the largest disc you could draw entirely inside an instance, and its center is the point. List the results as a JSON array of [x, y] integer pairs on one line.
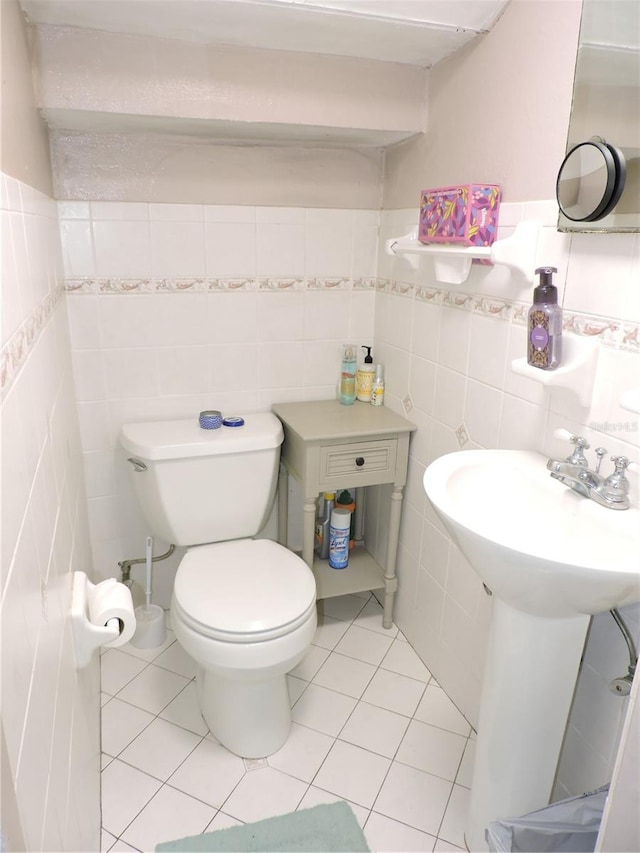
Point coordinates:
[[413, 32]]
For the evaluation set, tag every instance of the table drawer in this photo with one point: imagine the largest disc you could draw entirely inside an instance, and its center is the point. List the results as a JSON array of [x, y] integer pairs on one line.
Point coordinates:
[[358, 461]]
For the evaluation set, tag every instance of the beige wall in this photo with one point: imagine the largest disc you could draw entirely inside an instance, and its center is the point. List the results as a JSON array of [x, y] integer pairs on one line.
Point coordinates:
[[24, 147], [498, 110]]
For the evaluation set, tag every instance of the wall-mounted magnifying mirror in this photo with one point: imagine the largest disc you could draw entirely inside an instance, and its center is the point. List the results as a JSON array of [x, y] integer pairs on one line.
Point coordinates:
[[590, 181]]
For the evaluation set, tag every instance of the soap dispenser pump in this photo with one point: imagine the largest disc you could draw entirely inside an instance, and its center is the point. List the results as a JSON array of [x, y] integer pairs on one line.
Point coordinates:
[[364, 377], [544, 326]]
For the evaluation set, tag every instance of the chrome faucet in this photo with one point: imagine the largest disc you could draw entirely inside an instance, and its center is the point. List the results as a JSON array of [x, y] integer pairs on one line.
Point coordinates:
[[611, 492]]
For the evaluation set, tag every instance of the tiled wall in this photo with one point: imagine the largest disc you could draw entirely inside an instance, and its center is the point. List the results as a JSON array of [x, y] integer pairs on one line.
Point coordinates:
[[178, 308], [49, 711], [448, 351]]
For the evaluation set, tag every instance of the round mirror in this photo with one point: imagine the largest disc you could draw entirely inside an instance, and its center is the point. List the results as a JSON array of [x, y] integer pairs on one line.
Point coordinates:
[[590, 181]]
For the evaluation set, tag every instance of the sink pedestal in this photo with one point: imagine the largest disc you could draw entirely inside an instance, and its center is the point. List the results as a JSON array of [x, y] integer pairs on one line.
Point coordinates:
[[531, 671]]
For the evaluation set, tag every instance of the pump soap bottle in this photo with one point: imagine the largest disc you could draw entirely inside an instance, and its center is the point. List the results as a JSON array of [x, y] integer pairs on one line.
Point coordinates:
[[544, 326], [364, 377]]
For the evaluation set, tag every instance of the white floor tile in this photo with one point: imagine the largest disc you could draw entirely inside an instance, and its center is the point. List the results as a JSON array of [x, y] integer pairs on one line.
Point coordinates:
[[169, 816], [125, 791], [375, 729], [465, 773], [371, 617], [345, 607], [153, 689], [177, 660], [264, 793], [406, 804], [184, 711], [311, 663], [323, 710], [364, 645], [296, 687], [121, 723], [353, 773], [223, 821], [210, 773], [344, 675], [445, 847], [303, 753], [384, 834], [432, 749], [121, 847], [329, 632], [117, 669], [149, 655], [106, 841], [413, 797], [455, 817], [160, 749], [394, 692], [402, 658], [437, 709], [316, 797]]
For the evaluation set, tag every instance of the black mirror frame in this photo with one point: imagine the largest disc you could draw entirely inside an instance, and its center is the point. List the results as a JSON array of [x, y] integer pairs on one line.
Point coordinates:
[[616, 176]]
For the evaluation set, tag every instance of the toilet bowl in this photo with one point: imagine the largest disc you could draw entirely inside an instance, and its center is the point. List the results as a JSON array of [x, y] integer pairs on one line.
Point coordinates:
[[243, 608], [246, 629]]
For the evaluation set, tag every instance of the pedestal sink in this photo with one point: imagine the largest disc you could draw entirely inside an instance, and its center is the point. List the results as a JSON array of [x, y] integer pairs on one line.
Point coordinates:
[[551, 559]]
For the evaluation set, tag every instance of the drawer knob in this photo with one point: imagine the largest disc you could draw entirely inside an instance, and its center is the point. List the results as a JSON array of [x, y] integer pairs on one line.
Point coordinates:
[[359, 461]]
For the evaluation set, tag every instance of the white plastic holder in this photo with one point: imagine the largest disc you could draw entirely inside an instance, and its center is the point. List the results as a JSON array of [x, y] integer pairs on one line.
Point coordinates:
[[89, 636], [452, 263], [151, 630], [576, 373], [630, 401]]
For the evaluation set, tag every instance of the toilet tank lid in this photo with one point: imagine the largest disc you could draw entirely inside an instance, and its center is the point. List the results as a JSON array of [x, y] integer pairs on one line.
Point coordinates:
[[182, 439]]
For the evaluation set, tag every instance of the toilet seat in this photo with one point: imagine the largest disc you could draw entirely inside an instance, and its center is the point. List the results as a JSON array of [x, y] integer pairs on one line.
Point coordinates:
[[243, 591]]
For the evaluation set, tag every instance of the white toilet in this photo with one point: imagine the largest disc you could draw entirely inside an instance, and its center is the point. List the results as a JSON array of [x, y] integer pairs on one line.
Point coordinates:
[[244, 609]]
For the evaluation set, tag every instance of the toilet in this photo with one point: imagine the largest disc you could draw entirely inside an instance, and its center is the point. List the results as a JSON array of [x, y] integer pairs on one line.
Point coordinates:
[[244, 609]]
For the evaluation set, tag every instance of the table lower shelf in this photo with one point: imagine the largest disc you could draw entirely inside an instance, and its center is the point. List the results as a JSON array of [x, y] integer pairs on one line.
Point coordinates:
[[363, 573]]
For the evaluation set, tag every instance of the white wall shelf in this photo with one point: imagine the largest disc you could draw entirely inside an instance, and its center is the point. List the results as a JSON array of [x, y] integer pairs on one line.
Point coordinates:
[[577, 370], [452, 263]]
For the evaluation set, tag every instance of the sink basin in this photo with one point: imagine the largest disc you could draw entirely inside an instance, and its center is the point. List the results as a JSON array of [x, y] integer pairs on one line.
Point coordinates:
[[551, 558], [537, 544]]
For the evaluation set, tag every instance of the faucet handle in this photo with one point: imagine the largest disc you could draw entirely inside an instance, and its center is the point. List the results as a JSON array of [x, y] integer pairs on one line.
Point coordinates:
[[577, 456], [621, 464], [616, 486]]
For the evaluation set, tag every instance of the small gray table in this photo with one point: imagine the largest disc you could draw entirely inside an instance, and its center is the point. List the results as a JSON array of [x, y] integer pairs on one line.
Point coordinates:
[[326, 447]]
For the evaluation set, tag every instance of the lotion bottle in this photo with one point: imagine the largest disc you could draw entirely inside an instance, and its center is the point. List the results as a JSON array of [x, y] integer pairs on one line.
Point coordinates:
[[377, 391], [364, 377], [544, 326]]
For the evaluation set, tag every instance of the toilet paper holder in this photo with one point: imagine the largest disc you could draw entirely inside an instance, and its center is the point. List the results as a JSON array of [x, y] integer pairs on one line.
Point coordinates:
[[101, 615]]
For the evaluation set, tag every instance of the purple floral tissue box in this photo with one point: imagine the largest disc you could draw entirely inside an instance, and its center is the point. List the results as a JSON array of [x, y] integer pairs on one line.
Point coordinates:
[[466, 214]]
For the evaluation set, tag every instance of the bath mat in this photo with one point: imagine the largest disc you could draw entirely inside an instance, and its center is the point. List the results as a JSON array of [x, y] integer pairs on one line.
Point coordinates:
[[327, 828]]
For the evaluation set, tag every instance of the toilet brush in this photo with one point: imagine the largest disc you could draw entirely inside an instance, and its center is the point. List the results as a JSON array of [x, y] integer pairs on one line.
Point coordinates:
[[151, 630]]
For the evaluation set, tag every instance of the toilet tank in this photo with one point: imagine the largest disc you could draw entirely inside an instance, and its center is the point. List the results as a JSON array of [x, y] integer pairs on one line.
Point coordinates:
[[197, 485]]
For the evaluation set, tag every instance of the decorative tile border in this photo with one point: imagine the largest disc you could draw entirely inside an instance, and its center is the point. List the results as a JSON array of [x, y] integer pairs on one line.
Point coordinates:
[[618, 334], [204, 285], [15, 351]]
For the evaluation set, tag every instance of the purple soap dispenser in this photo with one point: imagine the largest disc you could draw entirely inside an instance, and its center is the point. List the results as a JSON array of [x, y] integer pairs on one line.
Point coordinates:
[[544, 326]]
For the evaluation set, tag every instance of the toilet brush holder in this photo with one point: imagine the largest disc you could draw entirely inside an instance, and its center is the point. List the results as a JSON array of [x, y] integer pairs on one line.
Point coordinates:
[[151, 629]]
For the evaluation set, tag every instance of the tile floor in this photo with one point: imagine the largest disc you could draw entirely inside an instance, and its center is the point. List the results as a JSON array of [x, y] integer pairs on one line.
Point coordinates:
[[370, 726]]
